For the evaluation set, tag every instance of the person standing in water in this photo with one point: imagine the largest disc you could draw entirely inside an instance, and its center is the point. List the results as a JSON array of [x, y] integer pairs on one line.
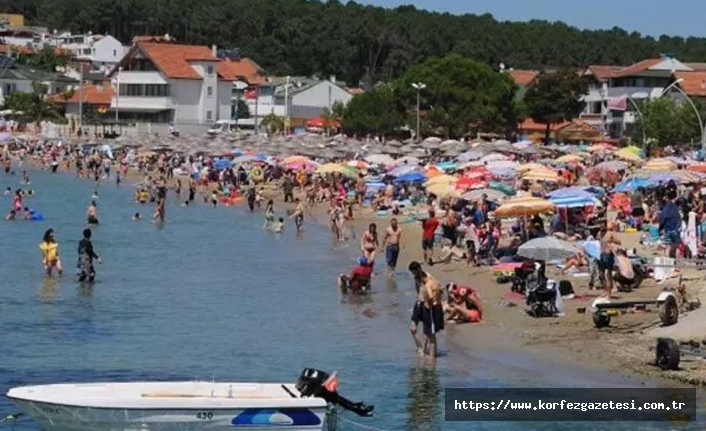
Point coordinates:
[[369, 243], [92, 213], [86, 254], [298, 215], [50, 253], [252, 195], [393, 241], [428, 309], [269, 214]]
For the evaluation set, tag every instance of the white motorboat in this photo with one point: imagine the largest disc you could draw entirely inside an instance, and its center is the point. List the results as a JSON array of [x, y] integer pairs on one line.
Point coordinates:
[[161, 406]]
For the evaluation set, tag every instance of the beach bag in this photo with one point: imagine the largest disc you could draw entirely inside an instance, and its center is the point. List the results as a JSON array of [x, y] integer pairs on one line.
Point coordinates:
[[565, 288]]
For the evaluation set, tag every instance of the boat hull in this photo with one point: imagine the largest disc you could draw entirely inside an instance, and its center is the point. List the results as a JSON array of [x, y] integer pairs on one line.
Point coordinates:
[[57, 417]]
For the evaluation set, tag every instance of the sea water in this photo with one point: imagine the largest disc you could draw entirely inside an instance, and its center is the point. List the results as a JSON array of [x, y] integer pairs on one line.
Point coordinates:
[[210, 295]]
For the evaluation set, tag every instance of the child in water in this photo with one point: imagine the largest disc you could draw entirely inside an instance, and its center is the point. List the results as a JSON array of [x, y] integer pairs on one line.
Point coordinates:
[[136, 217], [27, 213], [95, 195], [279, 226], [214, 198], [11, 215]]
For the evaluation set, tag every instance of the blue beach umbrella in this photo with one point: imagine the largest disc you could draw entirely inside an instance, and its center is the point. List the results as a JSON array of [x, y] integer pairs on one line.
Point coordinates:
[[631, 185], [221, 164], [411, 177]]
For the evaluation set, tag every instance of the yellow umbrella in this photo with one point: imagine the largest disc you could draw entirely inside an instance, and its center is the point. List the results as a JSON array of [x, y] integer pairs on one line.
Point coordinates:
[[633, 149], [660, 165], [524, 206], [331, 168], [569, 158], [441, 179], [530, 167], [444, 191], [626, 154], [598, 148], [541, 175], [295, 159]]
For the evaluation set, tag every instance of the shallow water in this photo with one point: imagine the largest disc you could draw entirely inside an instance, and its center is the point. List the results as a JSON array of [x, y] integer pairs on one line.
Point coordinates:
[[209, 295]]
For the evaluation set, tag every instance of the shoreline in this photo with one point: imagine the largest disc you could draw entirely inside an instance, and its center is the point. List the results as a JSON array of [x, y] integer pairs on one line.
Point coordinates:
[[623, 349]]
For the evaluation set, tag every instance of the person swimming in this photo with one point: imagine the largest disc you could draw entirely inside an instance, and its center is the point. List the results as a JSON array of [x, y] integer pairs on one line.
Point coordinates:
[[27, 214], [25, 178], [92, 213], [136, 217], [11, 215], [95, 195], [8, 191]]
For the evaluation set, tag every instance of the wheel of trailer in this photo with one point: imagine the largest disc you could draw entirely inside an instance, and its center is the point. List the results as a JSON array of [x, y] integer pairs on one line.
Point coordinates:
[[668, 354], [669, 311], [601, 320]]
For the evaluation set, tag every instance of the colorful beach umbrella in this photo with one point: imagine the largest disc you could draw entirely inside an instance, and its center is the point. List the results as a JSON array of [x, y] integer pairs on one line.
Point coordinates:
[[441, 179], [660, 165], [524, 206]]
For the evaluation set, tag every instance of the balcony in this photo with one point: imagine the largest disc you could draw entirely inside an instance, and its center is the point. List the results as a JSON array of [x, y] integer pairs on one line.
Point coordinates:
[[138, 77], [142, 104]]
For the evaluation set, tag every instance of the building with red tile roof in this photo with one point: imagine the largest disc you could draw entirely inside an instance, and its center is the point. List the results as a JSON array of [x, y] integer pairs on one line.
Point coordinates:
[[692, 83], [163, 82], [243, 69], [524, 78]]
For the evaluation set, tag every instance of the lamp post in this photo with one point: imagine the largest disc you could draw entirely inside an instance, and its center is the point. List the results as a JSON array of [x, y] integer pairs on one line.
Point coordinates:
[[80, 104], [419, 86], [642, 119], [117, 94], [675, 85], [286, 106]]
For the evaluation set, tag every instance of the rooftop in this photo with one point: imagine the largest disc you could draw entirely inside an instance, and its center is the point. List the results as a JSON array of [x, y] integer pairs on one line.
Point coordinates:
[[694, 83], [10, 69], [243, 68], [90, 94], [523, 77], [173, 60]]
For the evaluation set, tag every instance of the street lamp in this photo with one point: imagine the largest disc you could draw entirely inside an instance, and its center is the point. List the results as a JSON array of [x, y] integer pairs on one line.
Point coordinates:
[[419, 87], [117, 94], [675, 84]]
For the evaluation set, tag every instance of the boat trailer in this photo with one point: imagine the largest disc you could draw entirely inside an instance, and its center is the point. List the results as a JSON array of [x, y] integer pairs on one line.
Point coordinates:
[[603, 309]]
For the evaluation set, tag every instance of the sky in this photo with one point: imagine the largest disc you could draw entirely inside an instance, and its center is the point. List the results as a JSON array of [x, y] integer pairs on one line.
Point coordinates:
[[649, 17]]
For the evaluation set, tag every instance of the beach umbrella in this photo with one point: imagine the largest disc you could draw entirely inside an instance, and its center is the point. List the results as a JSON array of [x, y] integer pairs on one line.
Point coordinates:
[[570, 191], [470, 155], [446, 166], [633, 149], [660, 165], [569, 158], [524, 206], [331, 168], [502, 164], [531, 167], [379, 159], [407, 160], [401, 170], [628, 155], [577, 200], [441, 179], [493, 195], [547, 248], [495, 157], [630, 185], [545, 175], [295, 159], [612, 165], [444, 191], [411, 177], [467, 183]]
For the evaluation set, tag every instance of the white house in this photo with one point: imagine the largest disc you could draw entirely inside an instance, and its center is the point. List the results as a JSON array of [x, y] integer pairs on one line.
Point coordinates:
[[306, 101], [104, 52], [170, 83], [15, 77], [614, 91]]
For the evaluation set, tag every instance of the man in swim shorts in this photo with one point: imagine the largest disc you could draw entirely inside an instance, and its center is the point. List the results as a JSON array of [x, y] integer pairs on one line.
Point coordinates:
[[298, 215], [429, 227], [428, 309], [393, 239]]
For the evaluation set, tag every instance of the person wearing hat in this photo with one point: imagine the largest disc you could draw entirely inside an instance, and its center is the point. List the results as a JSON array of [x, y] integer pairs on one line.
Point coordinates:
[[359, 279]]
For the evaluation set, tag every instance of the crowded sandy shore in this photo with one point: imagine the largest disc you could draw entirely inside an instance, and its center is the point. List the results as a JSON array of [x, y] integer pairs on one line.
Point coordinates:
[[485, 199]]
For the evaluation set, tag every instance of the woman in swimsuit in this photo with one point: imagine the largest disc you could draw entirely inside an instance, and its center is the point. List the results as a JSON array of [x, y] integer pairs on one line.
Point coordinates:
[[50, 253], [269, 214], [369, 242]]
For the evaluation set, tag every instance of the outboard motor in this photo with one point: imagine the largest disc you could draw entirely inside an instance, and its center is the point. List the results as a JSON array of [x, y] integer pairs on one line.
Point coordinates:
[[312, 383]]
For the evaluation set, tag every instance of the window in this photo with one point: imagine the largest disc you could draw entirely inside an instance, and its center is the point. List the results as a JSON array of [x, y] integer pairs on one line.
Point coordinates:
[[144, 90], [8, 89], [115, 53], [209, 115], [209, 69], [209, 91]]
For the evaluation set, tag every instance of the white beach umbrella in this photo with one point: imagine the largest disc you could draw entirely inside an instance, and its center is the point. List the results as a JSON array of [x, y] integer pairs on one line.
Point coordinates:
[[547, 248]]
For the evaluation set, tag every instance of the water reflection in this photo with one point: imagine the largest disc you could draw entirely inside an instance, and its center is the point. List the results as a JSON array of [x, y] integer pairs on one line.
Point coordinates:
[[49, 289], [424, 399]]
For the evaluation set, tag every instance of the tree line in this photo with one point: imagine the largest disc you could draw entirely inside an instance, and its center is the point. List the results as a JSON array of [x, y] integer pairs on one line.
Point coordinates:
[[354, 42]]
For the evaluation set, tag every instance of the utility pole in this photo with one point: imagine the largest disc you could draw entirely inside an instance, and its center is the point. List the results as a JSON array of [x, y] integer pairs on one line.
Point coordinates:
[[80, 103]]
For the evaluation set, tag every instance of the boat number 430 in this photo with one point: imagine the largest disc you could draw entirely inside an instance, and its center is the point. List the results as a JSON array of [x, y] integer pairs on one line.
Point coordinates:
[[204, 415]]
